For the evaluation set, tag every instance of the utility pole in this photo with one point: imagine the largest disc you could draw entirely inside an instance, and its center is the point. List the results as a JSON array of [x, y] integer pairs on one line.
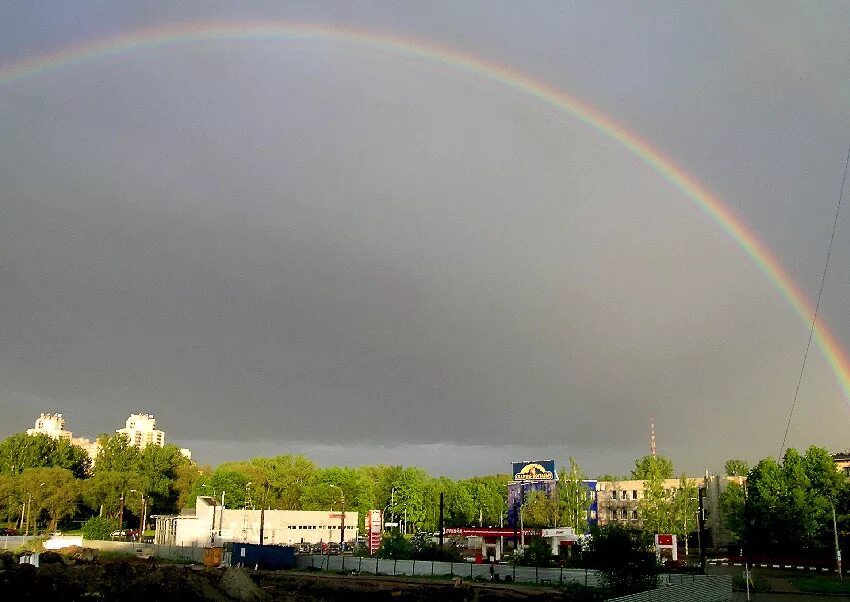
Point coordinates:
[[837, 549], [342, 525], [263, 513], [221, 514], [441, 518], [121, 516]]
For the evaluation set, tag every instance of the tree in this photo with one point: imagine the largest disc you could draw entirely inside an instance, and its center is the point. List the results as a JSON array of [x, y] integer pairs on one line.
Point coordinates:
[[98, 527], [287, 476], [649, 467], [573, 498], [116, 454], [22, 451], [394, 545], [624, 557], [736, 468], [536, 553], [685, 505], [789, 505], [410, 496], [732, 509], [539, 510], [656, 507], [53, 491], [489, 496]]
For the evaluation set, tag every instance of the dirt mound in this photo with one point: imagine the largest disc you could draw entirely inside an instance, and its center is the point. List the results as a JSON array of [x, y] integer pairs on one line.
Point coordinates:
[[79, 555], [50, 558], [239, 586], [8, 560]]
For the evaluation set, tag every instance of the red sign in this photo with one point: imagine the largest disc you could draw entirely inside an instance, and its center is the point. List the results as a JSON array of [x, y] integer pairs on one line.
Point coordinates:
[[665, 540], [374, 526], [487, 531]]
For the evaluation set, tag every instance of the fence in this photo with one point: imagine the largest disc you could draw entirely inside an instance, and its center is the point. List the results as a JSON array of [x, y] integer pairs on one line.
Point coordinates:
[[429, 568], [192, 554], [13, 542]]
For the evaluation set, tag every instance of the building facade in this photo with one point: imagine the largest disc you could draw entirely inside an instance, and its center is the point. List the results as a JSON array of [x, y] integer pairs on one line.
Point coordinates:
[[619, 502], [141, 431], [210, 524]]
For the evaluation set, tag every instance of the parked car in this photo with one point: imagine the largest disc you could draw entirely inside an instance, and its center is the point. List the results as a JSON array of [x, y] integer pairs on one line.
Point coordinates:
[[8, 531]]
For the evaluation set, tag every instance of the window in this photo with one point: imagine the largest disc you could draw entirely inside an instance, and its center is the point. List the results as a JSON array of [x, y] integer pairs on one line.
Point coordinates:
[[611, 515], [625, 495], [613, 494], [634, 515], [624, 514], [634, 494]]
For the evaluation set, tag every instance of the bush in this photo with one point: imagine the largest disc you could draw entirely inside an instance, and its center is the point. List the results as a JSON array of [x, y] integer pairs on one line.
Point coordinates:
[[396, 546], [536, 553], [624, 557], [98, 527], [424, 548]]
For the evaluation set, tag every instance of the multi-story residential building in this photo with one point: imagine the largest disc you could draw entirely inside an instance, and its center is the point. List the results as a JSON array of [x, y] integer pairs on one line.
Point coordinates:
[[53, 425], [141, 431], [619, 502], [842, 462]]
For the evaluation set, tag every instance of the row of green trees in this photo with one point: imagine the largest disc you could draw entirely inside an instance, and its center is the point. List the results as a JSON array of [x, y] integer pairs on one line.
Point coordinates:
[[408, 494], [45, 481], [787, 507]]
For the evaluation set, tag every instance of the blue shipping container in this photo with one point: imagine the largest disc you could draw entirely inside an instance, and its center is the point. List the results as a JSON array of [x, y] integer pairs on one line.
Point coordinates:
[[264, 557]]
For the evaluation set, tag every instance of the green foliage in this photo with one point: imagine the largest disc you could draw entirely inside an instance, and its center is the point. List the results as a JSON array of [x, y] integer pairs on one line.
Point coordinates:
[[539, 510], [685, 506], [656, 508], [624, 557], [536, 553], [22, 451], [736, 468], [53, 491], [573, 498], [98, 527], [653, 467], [395, 545], [423, 547], [789, 505], [732, 509]]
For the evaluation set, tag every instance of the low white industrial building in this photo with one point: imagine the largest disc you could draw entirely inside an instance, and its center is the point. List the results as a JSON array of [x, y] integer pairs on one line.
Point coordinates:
[[211, 525]]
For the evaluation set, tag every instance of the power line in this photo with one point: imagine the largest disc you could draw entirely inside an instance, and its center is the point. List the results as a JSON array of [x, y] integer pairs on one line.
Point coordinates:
[[817, 304]]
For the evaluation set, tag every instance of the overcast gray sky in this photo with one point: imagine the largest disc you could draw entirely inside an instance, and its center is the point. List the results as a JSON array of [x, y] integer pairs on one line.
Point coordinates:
[[305, 246]]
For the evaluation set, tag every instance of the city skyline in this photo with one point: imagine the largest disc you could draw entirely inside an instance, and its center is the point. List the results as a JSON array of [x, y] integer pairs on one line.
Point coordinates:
[[449, 237]]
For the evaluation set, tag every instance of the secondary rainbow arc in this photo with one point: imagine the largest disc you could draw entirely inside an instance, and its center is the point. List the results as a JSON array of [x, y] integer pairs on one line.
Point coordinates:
[[184, 33]]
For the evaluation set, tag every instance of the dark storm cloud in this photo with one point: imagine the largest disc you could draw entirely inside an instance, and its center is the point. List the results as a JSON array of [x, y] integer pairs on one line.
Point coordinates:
[[302, 247]]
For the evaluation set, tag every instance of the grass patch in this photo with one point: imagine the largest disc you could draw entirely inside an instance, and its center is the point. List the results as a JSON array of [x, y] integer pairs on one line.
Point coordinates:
[[817, 584], [757, 584]]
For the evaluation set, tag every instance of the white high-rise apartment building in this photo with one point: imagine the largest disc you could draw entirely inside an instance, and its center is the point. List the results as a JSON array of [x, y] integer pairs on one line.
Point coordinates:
[[52, 425], [141, 431]]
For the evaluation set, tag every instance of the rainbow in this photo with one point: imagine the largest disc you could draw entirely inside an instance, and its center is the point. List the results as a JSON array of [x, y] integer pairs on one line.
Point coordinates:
[[146, 39]]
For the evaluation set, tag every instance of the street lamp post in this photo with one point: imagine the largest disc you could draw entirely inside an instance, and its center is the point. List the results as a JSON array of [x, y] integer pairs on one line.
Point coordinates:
[[144, 513], [29, 511], [121, 516], [29, 508], [342, 518]]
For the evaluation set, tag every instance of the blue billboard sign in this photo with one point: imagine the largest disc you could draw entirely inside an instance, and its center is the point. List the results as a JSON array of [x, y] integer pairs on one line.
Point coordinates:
[[541, 470]]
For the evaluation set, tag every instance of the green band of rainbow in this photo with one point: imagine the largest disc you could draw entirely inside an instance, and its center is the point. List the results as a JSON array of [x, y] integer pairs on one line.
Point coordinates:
[[666, 168]]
